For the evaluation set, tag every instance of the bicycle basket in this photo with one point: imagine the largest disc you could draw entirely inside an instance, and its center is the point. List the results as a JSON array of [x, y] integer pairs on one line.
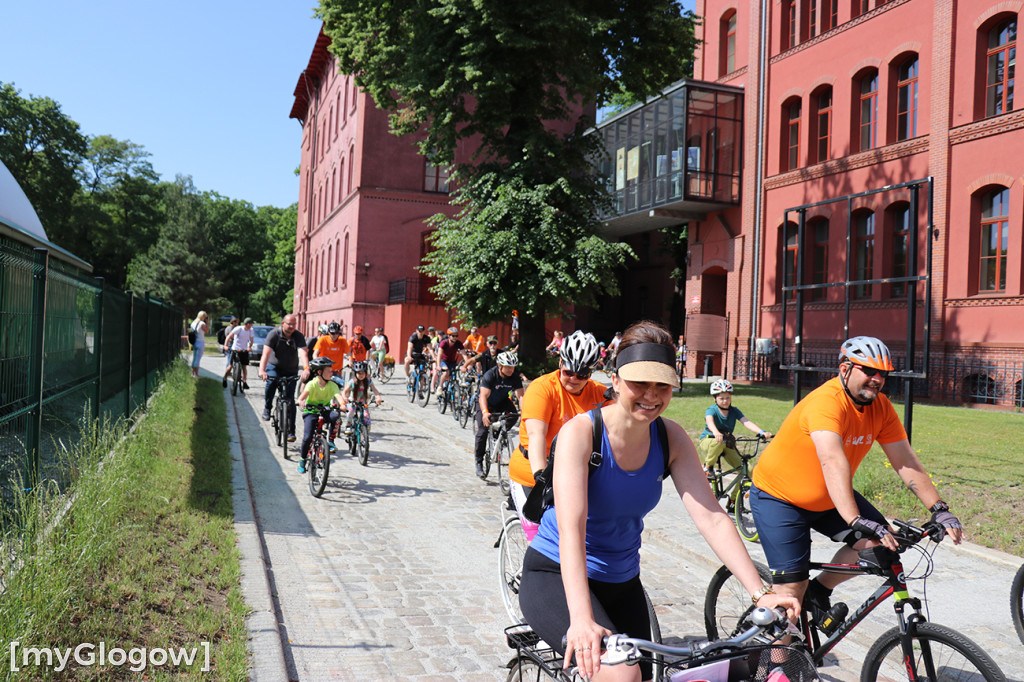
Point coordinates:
[[770, 663]]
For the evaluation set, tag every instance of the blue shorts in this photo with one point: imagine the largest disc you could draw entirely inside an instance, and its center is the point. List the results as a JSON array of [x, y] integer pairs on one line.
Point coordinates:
[[785, 532]]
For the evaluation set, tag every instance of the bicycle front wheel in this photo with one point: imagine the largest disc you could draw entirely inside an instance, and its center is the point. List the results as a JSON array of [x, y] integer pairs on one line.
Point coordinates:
[[423, 390], [468, 408], [1017, 602], [492, 452], [744, 517], [504, 456], [727, 603], [442, 400], [512, 548], [282, 424], [364, 444], [939, 653], [319, 464], [236, 377]]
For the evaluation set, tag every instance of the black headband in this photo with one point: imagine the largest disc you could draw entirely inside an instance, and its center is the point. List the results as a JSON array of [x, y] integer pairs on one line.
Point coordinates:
[[646, 352]]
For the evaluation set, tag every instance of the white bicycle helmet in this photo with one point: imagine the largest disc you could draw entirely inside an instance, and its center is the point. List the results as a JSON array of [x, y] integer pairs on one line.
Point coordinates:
[[721, 386], [322, 329], [508, 359], [867, 351], [579, 351]]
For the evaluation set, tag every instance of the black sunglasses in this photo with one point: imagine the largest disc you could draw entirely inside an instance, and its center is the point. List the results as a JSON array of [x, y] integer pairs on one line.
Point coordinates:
[[871, 371], [582, 374]]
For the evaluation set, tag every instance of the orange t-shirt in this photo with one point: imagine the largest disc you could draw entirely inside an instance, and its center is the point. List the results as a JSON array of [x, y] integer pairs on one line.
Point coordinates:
[[476, 342], [545, 399], [789, 468], [335, 350], [358, 349]]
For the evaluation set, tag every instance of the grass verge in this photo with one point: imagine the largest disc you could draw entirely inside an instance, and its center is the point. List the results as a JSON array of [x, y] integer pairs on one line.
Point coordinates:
[[143, 557], [973, 456]]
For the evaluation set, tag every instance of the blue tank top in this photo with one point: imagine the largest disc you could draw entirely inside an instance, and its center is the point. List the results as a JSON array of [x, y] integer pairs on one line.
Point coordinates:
[[617, 502]]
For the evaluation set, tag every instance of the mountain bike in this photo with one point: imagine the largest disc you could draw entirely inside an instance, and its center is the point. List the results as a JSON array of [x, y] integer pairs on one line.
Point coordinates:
[[447, 395], [236, 374], [382, 370], [742, 658], [500, 446], [470, 389], [1017, 602], [736, 492], [359, 438], [915, 649], [285, 396], [417, 387], [319, 463]]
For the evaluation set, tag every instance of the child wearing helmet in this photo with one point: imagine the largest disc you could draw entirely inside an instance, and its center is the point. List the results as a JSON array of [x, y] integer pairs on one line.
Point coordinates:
[[719, 422], [318, 392], [358, 390]]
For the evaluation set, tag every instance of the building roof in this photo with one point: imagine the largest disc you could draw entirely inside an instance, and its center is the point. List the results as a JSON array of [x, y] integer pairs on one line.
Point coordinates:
[[311, 76]]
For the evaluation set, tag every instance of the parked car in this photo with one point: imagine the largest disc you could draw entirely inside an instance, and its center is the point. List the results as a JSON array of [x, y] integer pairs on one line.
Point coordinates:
[[260, 332]]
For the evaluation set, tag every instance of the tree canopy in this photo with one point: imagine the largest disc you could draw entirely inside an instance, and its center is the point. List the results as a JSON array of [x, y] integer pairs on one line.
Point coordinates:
[[521, 82]]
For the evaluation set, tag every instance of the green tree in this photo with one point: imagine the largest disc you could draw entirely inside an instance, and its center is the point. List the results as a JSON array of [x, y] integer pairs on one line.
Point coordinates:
[[43, 148], [521, 81], [179, 267], [276, 271]]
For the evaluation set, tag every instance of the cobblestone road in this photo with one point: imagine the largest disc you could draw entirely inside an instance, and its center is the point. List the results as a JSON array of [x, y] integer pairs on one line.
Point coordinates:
[[392, 574]]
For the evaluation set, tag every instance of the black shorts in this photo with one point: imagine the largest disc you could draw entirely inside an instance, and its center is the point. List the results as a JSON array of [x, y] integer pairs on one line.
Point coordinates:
[[243, 356], [620, 607]]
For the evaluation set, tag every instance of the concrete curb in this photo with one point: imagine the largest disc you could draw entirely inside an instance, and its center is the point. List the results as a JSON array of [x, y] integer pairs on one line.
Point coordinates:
[[265, 647]]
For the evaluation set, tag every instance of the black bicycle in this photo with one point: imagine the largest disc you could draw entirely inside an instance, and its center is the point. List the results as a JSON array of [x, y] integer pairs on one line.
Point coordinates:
[[736, 493], [417, 387], [446, 398], [236, 373], [285, 396], [500, 446], [358, 438], [738, 659], [1017, 602], [915, 649], [469, 396], [319, 462]]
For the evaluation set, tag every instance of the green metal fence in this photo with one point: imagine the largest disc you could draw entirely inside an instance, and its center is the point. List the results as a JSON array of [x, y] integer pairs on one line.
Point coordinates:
[[70, 348]]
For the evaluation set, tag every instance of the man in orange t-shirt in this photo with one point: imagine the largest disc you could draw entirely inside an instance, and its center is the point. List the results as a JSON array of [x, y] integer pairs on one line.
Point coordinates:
[[549, 402], [475, 342], [358, 345], [334, 346], [804, 478]]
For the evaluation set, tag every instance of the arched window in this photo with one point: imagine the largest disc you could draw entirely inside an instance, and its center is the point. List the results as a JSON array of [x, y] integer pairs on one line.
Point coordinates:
[[789, 25], [821, 128], [811, 13], [1000, 63], [727, 31], [351, 167], [790, 253], [829, 14], [863, 251], [867, 114], [330, 254], [900, 240], [817, 235], [337, 262], [344, 263], [791, 134], [341, 178], [906, 99], [995, 237], [341, 112]]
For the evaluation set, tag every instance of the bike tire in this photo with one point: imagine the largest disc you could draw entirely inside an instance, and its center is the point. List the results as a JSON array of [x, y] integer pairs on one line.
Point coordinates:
[[744, 517], [512, 548], [652, 616], [423, 390], [410, 388], [319, 465], [282, 421], [387, 370], [442, 400], [491, 452], [364, 444], [236, 377], [353, 438], [955, 655], [525, 669], [504, 457], [467, 408], [1017, 602], [727, 603]]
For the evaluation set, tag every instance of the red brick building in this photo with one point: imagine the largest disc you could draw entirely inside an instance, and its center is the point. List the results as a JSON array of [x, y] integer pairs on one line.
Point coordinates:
[[842, 97]]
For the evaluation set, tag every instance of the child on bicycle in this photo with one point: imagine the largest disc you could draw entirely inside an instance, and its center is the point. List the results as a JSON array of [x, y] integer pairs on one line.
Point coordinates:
[[719, 422], [319, 392], [358, 390]]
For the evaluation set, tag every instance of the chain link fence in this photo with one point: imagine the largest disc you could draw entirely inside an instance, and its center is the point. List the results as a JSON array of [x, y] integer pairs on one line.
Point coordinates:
[[71, 350]]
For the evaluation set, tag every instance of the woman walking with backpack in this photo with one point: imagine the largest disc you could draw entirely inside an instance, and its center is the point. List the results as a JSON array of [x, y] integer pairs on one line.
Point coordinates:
[[199, 328], [581, 573]]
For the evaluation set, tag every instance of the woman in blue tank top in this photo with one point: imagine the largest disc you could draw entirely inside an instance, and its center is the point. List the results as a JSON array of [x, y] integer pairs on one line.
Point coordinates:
[[581, 574]]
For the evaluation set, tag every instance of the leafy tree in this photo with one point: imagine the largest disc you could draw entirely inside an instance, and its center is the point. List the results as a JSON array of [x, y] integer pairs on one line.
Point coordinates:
[[521, 81], [276, 271], [42, 147], [179, 267]]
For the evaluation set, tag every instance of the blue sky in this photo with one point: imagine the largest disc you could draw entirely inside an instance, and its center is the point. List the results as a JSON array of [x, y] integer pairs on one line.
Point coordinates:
[[205, 87]]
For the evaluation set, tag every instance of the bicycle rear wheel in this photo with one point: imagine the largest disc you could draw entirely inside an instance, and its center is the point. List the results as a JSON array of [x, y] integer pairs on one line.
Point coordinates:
[[319, 464], [512, 548], [387, 370], [491, 453], [467, 407], [939, 653], [744, 517], [1017, 602], [236, 377], [423, 389], [727, 602], [442, 399], [364, 444]]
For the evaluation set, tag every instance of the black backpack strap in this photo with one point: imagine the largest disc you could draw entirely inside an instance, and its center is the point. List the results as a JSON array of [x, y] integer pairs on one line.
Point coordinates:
[[598, 430], [663, 440]]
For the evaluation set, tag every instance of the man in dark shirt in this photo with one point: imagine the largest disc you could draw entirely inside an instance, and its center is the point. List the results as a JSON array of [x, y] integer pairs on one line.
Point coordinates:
[[415, 348], [284, 353], [486, 360], [497, 386], [448, 355]]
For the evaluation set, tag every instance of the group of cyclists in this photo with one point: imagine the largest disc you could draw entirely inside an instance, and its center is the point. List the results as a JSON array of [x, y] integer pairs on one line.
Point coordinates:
[[583, 515]]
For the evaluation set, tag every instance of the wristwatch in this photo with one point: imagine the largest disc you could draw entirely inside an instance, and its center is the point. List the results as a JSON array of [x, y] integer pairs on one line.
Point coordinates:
[[765, 589]]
